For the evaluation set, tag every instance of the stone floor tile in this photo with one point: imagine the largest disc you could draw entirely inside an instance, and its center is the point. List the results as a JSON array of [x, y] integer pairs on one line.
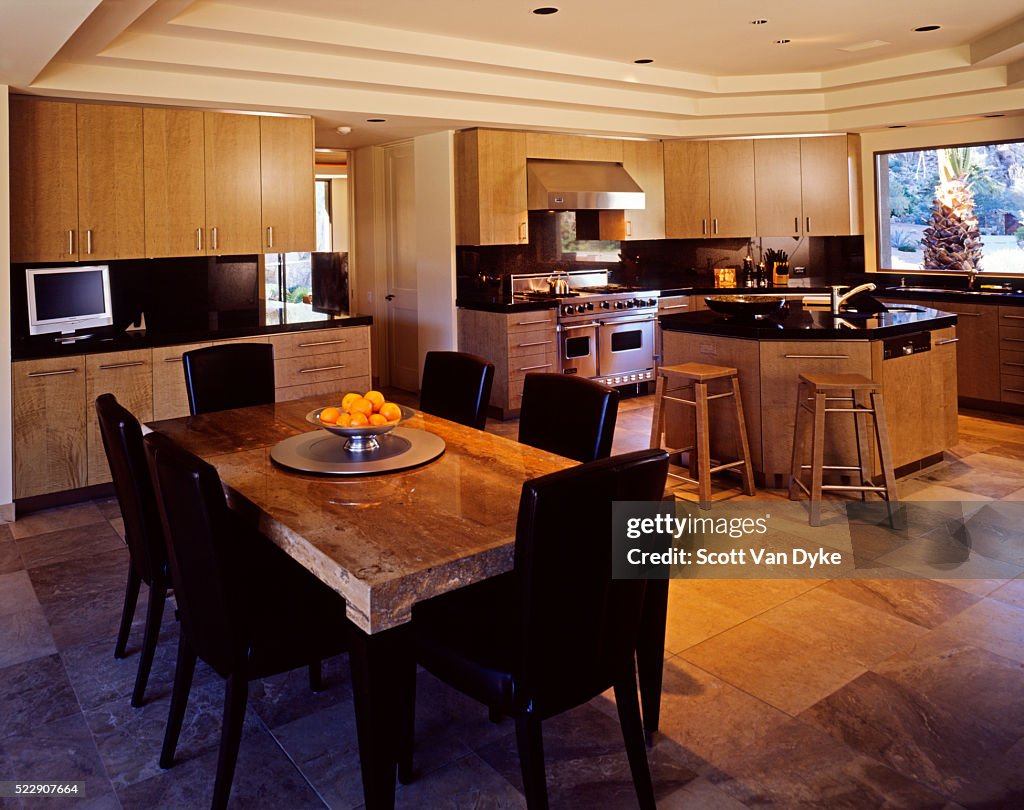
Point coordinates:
[[34, 692], [17, 593], [692, 618], [700, 794], [468, 783], [786, 672], [283, 698], [108, 507], [23, 636], [998, 783], [6, 535], [993, 625], [1012, 593], [922, 601], [748, 596], [10, 559], [52, 520], [937, 557], [68, 544]]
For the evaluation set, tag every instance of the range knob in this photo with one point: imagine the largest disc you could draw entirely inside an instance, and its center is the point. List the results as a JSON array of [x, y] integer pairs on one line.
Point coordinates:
[[605, 305], [567, 309], [581, 308], [590, 305], [632, 302], [620, 305]]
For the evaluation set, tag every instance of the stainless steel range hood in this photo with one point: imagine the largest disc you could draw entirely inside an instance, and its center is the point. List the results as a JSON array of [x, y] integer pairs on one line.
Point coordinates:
[[567, 185]]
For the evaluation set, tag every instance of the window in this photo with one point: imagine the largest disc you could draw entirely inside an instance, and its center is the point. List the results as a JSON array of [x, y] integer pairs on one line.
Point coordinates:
[[955, 208], [324, 234], [583, 250]]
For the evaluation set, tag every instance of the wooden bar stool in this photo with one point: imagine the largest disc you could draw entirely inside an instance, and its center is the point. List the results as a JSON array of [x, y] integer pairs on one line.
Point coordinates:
[[697, 376], [864, 397]]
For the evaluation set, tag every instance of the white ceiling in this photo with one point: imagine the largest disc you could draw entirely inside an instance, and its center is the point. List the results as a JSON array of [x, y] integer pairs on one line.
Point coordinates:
[[425, 65]]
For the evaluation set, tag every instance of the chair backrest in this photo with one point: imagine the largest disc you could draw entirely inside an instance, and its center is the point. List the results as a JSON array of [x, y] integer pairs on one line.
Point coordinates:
[[580, 626], [570, 416], [457, 386], [234, 375], [202, 550], [122, 441]]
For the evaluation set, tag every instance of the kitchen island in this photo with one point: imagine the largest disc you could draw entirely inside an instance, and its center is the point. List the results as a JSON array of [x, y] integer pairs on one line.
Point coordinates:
[[912, 353]]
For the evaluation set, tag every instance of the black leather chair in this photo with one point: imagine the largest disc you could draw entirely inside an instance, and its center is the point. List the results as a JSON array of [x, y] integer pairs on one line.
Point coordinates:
[[457, 386], [234, 375], [246, 608], [122, 441], [558, 630], [570, 416]]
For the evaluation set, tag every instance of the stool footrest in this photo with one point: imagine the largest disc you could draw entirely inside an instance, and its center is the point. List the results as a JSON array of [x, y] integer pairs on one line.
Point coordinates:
[[831, 467], [729, 466]]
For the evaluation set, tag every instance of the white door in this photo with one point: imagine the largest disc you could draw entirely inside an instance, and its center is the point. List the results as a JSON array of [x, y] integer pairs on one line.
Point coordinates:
[[401, 295]]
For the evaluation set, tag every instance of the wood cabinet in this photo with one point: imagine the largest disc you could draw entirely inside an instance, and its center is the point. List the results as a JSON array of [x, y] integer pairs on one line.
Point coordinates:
[[644, 162], [1011, 355], [830, 185], [111, 202], [49, 411], [709, 189], [233, 185], [778, 197], [554, 146], [324, 361], [129, 377], [517, 343], [170, 399], [490, 187], [44, 181], [175, 182], [286, 175]]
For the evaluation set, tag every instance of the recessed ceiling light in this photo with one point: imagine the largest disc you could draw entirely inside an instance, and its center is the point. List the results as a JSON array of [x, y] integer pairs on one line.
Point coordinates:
[[376, 120], [545, 10], [758, 22], [642, 61], [783, 41], [897, 126], [924, 28], [344, 130]]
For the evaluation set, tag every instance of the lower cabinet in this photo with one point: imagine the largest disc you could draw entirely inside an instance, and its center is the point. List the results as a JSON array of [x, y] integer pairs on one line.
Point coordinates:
[[57, 442]]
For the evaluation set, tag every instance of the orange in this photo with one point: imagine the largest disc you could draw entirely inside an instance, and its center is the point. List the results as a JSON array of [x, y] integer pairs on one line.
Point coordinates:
[[347, 400], [330, 414], [359, 420], [376, 397], [377, 419], [390, 411], [345, 420], [361, 405]]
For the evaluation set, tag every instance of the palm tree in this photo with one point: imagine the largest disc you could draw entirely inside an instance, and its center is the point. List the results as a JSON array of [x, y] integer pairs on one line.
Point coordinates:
[[952, 240]]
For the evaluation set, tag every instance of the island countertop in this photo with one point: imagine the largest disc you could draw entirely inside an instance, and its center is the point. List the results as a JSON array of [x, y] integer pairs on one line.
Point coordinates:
[[795, 322]]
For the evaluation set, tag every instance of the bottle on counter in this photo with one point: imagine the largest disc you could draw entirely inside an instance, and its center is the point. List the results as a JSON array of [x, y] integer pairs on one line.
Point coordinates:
[[748, 278], [762, 275]]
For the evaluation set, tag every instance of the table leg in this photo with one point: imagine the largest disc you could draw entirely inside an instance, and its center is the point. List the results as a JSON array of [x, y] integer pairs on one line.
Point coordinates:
[[650, 654], [383, 667]]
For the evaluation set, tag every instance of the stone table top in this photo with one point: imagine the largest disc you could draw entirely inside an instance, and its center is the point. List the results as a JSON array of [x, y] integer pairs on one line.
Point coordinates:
[[384, 542]]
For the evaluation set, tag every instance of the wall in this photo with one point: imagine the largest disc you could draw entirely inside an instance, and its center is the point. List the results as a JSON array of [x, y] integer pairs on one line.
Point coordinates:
[[435, 242], [367, 245], [988, 129], [6, 456]]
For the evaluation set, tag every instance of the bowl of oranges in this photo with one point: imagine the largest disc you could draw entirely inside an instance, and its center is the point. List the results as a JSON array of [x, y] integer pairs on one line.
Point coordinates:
[[360, 418]]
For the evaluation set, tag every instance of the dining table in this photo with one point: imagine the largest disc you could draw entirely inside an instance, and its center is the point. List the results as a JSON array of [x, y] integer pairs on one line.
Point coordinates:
[[385, 542]]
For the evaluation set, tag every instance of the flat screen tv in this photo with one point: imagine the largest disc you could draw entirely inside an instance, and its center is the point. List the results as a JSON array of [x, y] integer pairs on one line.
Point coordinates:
[[64, 299]]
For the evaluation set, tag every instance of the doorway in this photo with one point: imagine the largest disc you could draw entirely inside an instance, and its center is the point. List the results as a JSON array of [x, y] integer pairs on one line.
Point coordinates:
[[400, 298]]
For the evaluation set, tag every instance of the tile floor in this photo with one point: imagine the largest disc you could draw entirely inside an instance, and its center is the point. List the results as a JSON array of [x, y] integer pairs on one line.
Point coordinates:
[[778, 693]]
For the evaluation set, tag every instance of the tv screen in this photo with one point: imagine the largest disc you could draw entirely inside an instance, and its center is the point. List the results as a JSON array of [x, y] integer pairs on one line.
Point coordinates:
[[62, 299]]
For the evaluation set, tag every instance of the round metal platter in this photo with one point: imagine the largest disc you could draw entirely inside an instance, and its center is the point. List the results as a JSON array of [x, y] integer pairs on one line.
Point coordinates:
[[322, 453]]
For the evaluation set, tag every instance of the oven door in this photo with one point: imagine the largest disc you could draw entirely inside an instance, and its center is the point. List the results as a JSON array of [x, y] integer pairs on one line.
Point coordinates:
[[577, 348], [626, 345]]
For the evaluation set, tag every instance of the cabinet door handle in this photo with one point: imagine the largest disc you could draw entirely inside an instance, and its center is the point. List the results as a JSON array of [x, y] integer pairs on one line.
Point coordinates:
[[321, 368], [534, 368], [323, 343], [522, 232], [199, 239], [808, 224], [531, 323], [590, 325], [675, 306], [816, 356], [270, 236], [629, 227], [213, 237], [535, 343], [88, 240], [716, 224], [796, 224], [52, 373], [947, 341], [704, 227], [71, 242], [131, 364]]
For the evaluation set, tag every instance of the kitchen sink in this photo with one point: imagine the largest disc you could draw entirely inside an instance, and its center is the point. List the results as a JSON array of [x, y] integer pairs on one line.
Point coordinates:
[[958, 292], [852, 313]]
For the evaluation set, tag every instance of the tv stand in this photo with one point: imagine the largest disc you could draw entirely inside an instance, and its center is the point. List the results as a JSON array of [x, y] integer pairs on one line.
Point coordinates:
[[70, 337]]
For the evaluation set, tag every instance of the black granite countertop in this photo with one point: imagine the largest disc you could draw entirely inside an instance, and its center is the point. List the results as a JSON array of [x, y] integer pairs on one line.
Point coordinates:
[[104, 341], [796, 323], [500, 303], [926, 293]]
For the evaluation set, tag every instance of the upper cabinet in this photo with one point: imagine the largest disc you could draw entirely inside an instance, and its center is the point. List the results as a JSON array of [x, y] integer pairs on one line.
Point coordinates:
[[779, 200], [102, 182], [76, 179], [233, 186], [709, 189], [286, 170], [830, 183], [490, 187], [643, 160], [175, 180], [553, 146]]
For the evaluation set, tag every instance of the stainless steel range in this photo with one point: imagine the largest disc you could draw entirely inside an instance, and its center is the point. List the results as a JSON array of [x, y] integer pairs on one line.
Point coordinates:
[[606, 332]]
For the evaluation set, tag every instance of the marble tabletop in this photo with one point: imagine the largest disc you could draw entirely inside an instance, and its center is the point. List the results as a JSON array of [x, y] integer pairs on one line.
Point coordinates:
[[384, 542]]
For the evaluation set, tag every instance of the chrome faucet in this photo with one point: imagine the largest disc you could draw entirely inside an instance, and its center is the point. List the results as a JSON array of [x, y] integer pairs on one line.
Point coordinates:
[[972, 276], [839, 299]]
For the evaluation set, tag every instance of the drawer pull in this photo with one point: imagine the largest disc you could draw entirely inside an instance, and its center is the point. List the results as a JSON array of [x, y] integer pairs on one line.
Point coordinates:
[[816, 356], [967, 314], [531, 323], [1014, 390], [590, 325], [676, 306], [1014, 340], [1014, 317], [323, 343], [132, 364], [173, 359], [947, 341], [52, 373], [535, 343], [1015, 365], [321, 368], [534, 368]]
